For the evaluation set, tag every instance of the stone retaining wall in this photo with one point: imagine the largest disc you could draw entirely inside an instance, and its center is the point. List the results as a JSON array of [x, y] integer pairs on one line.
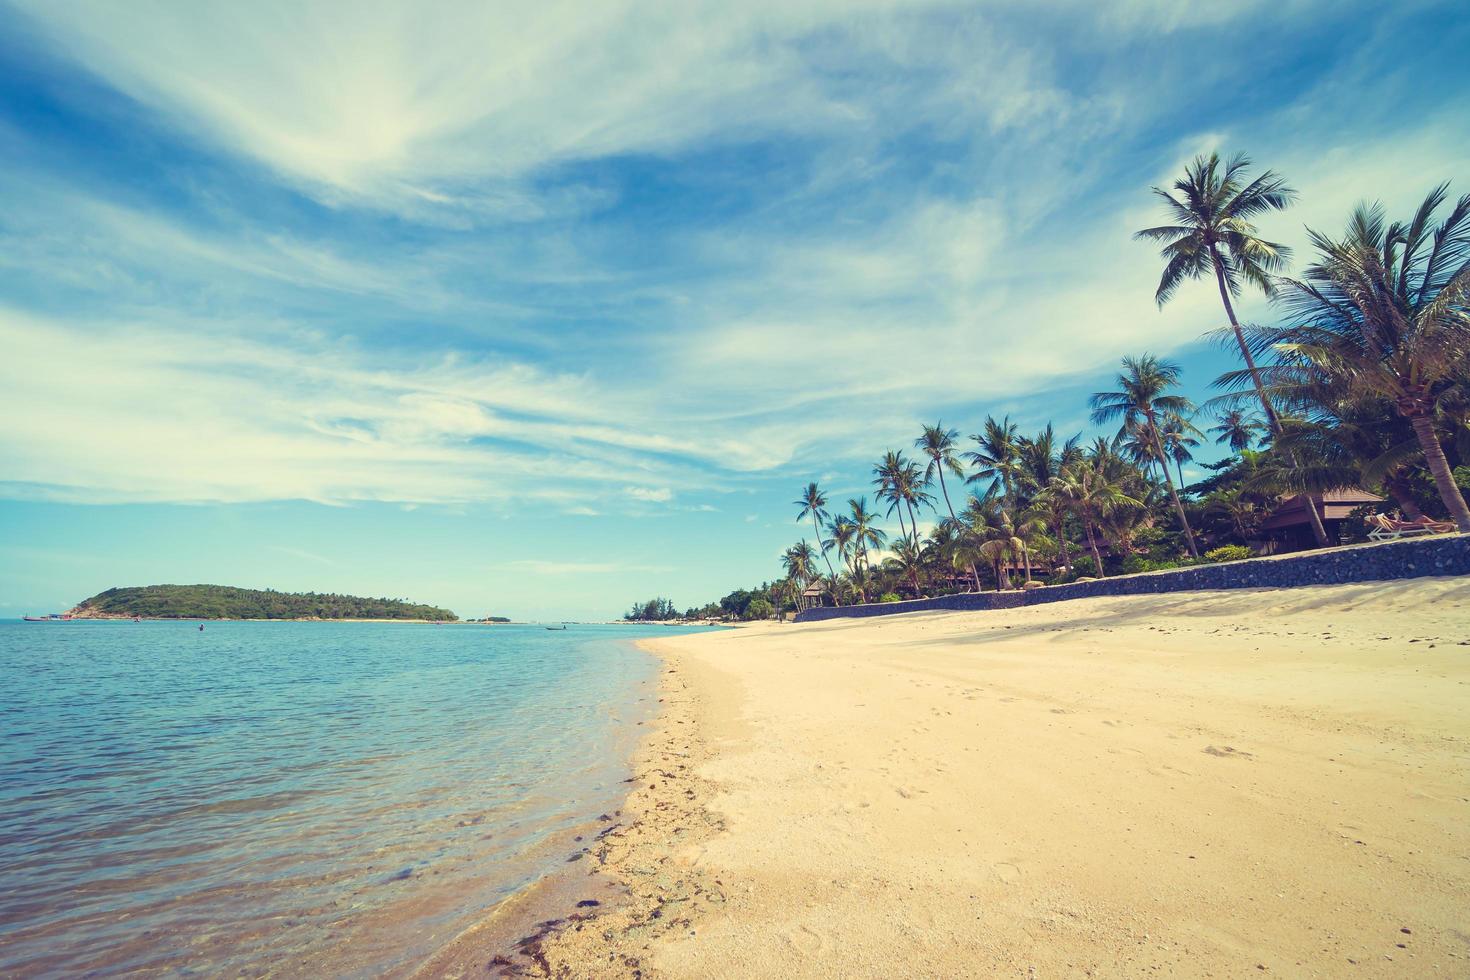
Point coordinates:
[[1445, 554]]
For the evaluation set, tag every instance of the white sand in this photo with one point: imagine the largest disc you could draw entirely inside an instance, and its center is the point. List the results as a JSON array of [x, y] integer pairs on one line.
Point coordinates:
[[1200, 785]]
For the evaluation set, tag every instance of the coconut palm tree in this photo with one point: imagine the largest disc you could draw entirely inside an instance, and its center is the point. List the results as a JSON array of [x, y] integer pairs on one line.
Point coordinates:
[[1143, 402], [1213, 206], [1180, 439], [865, 531], [887, 477], [1239, 505], [944, 545], [911, 489], [1092, 493], [908, 561], [991, 535], [1041, 461], [995, 455], [813, 504], [938, 445], [799, 561], [1384, 313], [1236, 428]]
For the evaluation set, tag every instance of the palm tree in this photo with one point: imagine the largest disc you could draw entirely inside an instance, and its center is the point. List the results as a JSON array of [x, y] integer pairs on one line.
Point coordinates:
[[1143, 402], [813, 504], [841, 535], [908, 561], [911, 484], [865, 531], [995, 457], [1042, 461], [889, 477], [1213, 234], [991, 535], [799, 561], [1236, 428], [1087, 489], [1385, 313], [938, 444], [1237, 504], [1179, 437]]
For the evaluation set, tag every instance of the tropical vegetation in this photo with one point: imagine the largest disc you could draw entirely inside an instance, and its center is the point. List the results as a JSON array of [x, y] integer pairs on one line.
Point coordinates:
[[1360, 383], [1363, 382]]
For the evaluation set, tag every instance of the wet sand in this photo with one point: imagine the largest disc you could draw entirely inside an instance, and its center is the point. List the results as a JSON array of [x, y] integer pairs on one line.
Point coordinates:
[[1201, 784]]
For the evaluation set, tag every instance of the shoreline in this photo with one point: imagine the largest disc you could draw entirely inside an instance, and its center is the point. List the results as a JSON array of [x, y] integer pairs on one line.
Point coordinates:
[[632, 876], [1228, 783]]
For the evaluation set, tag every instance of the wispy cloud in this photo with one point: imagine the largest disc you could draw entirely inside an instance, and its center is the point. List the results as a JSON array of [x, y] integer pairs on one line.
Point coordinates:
[[585, 568], [615, 259]]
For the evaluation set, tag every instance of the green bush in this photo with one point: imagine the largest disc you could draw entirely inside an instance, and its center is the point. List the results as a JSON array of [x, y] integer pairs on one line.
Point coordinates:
[[889, 597], [1229, 552], [760, 609]]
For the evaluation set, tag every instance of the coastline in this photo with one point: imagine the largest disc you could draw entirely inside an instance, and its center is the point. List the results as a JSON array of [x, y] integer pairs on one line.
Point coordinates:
[[1232, 783], [632, 876]]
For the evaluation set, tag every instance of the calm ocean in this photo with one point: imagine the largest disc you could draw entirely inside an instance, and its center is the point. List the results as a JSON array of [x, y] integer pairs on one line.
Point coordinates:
[[293, 798]]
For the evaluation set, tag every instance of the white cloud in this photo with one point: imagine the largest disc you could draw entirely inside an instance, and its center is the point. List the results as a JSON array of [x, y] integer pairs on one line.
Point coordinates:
[[657, 495], [235, 359]]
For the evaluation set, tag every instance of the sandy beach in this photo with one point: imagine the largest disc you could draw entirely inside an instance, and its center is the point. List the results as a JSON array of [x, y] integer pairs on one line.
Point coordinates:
[[1193, 785]]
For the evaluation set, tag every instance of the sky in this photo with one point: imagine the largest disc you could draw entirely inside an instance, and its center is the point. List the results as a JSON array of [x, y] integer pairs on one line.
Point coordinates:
[[538, 309]]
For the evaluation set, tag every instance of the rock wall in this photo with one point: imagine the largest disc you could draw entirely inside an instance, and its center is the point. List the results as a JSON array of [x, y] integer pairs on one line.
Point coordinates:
[[1444, 554]]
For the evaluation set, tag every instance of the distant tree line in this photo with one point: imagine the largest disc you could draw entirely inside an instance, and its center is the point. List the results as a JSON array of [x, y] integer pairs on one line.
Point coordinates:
[[228, 602], [742, 604]]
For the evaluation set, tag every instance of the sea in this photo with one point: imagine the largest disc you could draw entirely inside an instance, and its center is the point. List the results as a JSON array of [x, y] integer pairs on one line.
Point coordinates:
[[291, 798]]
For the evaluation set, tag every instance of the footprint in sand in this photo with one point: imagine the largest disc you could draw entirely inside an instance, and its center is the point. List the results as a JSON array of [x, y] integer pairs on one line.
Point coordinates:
[[807, 942], [1008, 873], [1226, 752]]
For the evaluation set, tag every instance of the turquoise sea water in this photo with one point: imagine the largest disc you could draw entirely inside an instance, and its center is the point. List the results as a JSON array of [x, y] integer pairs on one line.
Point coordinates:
[[297, 798]]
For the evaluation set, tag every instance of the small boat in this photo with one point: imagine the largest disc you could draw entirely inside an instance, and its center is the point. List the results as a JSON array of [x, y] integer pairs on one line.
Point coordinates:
[[53, 618], [562, 627], [37, 619]]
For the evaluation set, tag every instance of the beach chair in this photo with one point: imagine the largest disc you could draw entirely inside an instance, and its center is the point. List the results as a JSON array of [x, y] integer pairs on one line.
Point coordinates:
[[1387, 529]]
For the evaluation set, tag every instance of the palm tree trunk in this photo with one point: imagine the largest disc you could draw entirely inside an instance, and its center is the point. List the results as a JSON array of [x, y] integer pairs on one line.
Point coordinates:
[[817, 530], [1092, 543], [1439, 467], [1179, 468], [1318, 531], [901, 526], [913, 521], [950, 507], [1059, 519], [1026, 554], [944, 489], [1169, 481], [1403, 498]]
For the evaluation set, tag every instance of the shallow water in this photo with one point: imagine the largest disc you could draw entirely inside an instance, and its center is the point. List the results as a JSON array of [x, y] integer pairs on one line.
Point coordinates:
[[292, 798]]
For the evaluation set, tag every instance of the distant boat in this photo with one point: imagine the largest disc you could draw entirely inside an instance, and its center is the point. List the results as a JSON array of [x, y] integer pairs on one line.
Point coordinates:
[[556, 627], [53, 618]]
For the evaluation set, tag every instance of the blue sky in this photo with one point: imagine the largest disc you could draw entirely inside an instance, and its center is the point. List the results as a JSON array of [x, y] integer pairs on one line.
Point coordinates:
[[538, 309]]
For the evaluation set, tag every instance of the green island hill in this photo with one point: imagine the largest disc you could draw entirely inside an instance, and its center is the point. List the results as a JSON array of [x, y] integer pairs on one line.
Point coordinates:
[[228, 602]]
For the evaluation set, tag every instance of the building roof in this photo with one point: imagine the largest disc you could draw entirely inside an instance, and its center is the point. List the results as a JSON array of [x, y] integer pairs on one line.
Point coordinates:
[[1333, 505]]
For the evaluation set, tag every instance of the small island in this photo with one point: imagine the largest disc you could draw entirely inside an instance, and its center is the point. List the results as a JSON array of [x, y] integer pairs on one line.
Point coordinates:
[[229, 602]]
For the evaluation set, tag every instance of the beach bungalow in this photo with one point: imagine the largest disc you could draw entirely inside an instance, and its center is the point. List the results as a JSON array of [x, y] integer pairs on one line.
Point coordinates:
[[1288, 526]]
